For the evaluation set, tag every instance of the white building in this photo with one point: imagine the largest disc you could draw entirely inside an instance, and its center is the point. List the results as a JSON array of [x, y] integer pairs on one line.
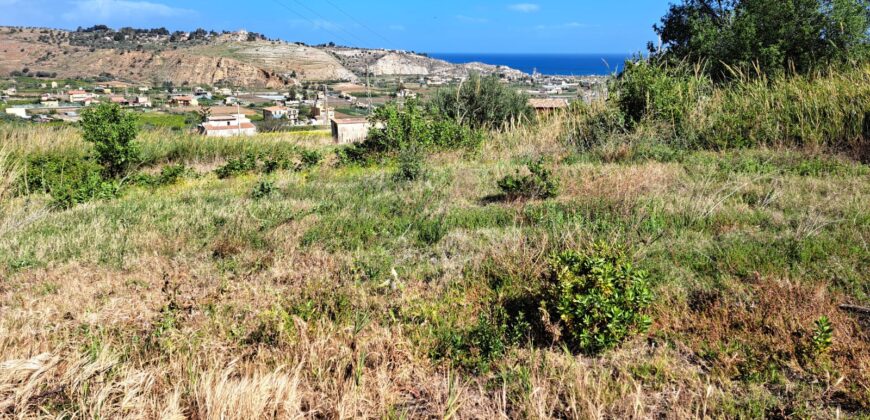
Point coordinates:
[[350, 130], [79, 96], [228, 126], [278, 112]]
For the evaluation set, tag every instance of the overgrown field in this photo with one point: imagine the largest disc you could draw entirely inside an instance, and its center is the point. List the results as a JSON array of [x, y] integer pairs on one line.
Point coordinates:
[[328, 290]]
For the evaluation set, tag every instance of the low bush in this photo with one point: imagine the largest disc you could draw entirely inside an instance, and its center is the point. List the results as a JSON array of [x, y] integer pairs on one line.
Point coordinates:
[[170, 174], [70, 179], [399, 128], [539, 183], [483, 103], [411, 165], [599, 298], [263, 189], [238, 166]]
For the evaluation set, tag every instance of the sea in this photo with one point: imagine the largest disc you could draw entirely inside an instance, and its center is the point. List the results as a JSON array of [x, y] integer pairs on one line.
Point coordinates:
[[547, 64]]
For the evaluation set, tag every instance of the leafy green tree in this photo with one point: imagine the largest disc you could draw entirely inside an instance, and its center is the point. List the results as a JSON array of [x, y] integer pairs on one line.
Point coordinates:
[[483, 102], [113, 132], [771, 36]]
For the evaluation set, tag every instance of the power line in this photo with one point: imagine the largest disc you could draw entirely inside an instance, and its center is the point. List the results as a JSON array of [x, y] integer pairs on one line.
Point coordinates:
[[366, 27], [310, 21], [326, 21]]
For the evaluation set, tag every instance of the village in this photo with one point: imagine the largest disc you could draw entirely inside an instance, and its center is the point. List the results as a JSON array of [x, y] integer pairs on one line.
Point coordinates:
[[340, 109]]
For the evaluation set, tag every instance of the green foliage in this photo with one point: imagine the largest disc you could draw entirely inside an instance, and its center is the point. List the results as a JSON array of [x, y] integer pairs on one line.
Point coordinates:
[[539, 183], [487, 340], [170, 174], [685, 107], [593, 125], [412, 166], [599, 298], [483, 102], [237, 166], [263, 189], [113, 132], [311, 158], [658, 91], [69, 179], [823, 335], [770, 36], [410, 126]]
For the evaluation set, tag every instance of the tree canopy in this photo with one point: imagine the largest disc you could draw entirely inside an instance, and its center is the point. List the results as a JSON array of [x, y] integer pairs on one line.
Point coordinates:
[[773, 36]]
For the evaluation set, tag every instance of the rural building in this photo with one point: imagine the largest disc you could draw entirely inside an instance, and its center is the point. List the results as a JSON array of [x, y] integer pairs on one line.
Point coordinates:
[[546, 106], [142, 101], [350, 130], [321, 114], [228, 126], [120, 100], [184, 101], [79, 96], [19, 112], [278, 112]]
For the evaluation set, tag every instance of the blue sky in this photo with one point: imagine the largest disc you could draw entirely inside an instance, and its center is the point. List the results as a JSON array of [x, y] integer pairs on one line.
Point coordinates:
[[521, 26]]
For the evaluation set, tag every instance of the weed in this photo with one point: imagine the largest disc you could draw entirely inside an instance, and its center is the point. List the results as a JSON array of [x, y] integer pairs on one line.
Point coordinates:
[[538, 184], [600, 298]]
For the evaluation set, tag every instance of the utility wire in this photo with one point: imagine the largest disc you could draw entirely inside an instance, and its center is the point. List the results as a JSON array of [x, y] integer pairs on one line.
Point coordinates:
[[310, 21], [366, 27], [326, 20]]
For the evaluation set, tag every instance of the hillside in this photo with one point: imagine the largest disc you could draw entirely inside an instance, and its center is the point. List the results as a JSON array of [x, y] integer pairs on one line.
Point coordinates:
[[237, 58], [392, 63]]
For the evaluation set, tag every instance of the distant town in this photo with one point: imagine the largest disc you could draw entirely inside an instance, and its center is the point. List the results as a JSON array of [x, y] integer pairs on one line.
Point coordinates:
[[339, 107]]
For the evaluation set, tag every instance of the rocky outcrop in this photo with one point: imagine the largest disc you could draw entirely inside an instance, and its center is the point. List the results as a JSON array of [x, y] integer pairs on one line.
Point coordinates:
[[399, 64]]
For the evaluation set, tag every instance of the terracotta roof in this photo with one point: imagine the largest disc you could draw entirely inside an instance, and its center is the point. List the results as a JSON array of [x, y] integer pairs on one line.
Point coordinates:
[[245, 126], [548, 103], [276, 108], [76, 92], [183, 98]]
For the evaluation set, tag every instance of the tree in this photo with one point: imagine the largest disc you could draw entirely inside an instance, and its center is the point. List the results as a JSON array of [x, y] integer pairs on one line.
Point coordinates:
[[113, 133], [483, 102], [773, 36]]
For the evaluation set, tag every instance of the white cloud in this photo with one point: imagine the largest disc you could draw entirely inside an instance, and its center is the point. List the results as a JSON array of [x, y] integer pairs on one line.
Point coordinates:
[[470, 19], [525, 7], [120, 9]]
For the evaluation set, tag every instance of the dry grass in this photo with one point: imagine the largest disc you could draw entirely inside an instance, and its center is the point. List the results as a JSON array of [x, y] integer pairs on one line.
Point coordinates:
[[197, 301]]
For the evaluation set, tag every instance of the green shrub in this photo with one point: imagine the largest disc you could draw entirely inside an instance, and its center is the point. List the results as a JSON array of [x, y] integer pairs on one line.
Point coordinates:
[[411, 165], [599, 298], [483, 103], [409, 126], [170, 174], [70, 179], [113, 132], [238, 166], [660, 92], [593, 125], [538, 184], [311, 158], [263, 189]]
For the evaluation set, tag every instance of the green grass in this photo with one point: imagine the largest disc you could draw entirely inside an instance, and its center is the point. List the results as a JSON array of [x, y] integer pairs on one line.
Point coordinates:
[[161, 120], [745, 250]]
